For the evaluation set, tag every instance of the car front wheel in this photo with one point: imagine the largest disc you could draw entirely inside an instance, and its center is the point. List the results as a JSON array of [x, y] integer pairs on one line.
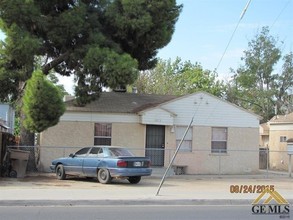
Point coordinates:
[[60, 172], [104, 176], [134, 179]]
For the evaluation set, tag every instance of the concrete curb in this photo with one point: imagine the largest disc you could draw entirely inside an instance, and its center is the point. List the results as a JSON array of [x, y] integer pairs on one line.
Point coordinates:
[[121, 202], [149, 202]]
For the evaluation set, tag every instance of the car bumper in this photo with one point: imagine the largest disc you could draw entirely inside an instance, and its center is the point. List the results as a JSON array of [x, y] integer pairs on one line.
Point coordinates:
[[52, 167], [124, 172]]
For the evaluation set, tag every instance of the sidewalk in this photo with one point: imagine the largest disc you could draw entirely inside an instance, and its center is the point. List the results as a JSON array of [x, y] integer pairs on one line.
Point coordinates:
[[44, 189]]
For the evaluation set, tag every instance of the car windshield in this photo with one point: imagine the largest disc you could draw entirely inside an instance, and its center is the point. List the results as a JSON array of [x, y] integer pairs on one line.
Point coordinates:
[[118, 152]]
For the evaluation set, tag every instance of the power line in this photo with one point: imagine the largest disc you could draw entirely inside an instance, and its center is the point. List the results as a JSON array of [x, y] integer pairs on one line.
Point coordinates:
[[178, 147], [241, 16], [281, 12]]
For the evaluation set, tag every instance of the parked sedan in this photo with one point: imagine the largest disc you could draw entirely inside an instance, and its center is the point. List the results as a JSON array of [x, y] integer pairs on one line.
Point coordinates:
[[103, 162]]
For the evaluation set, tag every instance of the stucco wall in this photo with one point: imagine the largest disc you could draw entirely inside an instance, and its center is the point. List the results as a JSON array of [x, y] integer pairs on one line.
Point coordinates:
[[64, 138], [242, 156], [278, 156], [69, 133], [129, 135], [67, 137]]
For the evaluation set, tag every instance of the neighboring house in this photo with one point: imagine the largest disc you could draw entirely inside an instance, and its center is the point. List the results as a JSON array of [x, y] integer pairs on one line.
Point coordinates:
[[280, 130], [7, 118], [223, 138], [264, 130]]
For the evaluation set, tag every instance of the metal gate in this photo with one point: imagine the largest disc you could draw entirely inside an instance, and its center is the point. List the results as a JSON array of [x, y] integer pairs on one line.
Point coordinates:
[[263, 158], [155, 144]]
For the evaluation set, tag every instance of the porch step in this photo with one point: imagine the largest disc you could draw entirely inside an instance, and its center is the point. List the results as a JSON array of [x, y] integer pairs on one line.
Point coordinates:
[[160, 171]]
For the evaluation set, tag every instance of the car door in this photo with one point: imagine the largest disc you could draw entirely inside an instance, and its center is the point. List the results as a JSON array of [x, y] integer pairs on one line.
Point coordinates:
[[92, 161], [74, 163]]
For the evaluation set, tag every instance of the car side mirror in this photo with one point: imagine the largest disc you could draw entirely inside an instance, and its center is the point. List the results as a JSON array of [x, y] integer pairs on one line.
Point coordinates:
[[71, 155]]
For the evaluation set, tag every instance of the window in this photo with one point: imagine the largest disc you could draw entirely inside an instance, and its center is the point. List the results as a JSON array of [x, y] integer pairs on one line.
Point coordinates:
[[103, 133], [118, 152], [187, 142], [96, 152], [219, 140], [283, 139], [82, 152]]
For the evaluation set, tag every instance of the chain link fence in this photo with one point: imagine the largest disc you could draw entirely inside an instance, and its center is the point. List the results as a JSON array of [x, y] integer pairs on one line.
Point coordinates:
[[269, 162]]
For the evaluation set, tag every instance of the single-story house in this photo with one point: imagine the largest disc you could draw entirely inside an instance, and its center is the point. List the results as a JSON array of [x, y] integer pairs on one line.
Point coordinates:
[[223, 138], [279, 130]]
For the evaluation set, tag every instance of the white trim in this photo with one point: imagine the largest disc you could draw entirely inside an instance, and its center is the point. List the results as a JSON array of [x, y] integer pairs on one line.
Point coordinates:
[[100, 117]]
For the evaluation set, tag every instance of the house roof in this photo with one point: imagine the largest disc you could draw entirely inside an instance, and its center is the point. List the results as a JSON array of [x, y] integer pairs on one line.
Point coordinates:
[[117, 102], [281, 119]]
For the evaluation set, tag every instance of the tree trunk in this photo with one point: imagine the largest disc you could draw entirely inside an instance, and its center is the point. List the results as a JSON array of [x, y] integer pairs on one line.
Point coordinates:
[[27, 141]]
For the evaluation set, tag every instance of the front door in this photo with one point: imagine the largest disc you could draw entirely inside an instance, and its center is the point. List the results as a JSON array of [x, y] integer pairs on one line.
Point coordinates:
[[155, 143]]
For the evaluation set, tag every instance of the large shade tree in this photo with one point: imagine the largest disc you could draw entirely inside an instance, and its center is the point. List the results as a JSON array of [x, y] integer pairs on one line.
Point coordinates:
[[103, 43], [256, 84], [85, 38]]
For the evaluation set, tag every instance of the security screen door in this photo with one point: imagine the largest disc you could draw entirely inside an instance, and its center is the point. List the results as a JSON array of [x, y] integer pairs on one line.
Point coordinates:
[[155, 144]]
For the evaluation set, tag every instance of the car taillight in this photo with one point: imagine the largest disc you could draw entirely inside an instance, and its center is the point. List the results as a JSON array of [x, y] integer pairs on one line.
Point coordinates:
[[148, 163], [121, 163]]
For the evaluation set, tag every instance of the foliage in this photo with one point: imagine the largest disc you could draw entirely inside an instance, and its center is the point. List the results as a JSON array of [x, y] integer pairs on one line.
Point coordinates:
[[67, 35], [283, 86], [42, 103], [178, 78], [54, 79], [103, 43], [256, 86]]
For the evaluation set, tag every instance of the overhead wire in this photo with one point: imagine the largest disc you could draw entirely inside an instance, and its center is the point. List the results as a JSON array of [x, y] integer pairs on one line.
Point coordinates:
[[277, 18], [232, 36], [281, 12], [178, 147], [240, 18], [274, 22]]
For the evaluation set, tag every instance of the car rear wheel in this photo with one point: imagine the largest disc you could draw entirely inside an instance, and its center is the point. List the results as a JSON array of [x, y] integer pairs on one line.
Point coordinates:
[[60, 172], [134, 179], [104, 176]]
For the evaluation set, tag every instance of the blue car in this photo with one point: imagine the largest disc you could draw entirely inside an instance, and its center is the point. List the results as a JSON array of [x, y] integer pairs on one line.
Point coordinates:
[[104, 163]]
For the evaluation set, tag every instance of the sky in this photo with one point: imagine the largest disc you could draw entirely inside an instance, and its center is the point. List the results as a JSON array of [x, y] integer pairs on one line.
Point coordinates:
[[205, 28]]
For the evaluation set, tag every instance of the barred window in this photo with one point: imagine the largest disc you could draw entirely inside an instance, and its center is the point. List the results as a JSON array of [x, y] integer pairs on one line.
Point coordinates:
[[103, 134], [219, 140]]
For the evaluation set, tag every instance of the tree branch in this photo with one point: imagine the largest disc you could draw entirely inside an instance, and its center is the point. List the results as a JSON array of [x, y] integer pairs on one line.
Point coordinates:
[[46, 68]]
